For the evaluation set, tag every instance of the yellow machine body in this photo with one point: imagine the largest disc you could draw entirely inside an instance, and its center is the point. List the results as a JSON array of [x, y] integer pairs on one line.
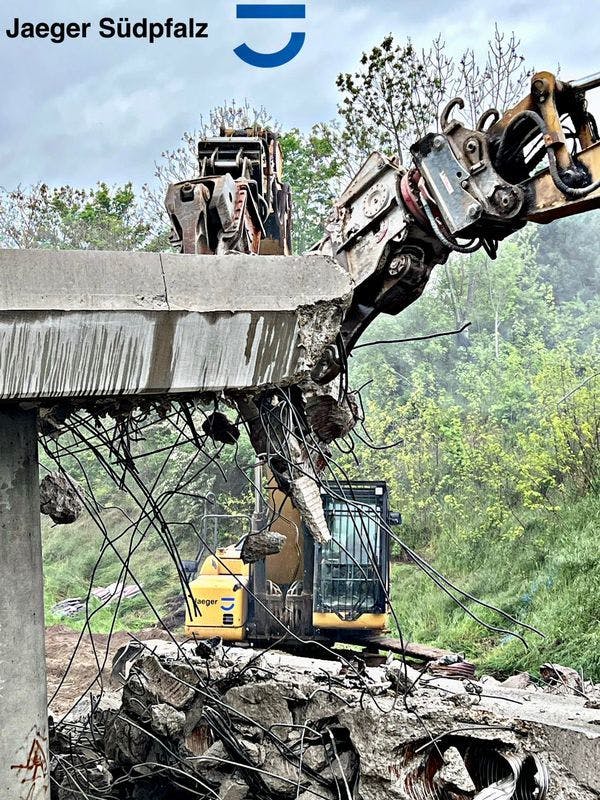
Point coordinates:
[[220, 598], [287, 600], [366, 622]]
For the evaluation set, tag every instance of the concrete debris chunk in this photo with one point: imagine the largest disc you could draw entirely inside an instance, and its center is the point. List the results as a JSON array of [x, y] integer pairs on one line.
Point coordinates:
[[162, 683], [259, 545], [307, 499], [220, 429], [115, 591], [455, 772], [232, 789], [562, 678], [61, 498], [329, 418], [520, 681], [166, 720], [255, 753], [69, 607], [213, 758], [75, 605], [263, 702]]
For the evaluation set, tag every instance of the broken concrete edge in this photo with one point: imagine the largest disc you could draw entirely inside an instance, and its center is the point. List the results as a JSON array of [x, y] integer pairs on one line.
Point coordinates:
[[61, 498], [129, 353], [273, 703]]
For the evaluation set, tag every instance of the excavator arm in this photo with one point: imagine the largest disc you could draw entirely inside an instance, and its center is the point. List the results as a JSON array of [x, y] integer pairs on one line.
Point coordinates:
[[465, 189]]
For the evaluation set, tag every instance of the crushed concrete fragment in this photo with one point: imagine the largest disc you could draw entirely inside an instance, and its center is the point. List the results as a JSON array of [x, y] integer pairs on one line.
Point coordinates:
[[61, 498], [560, 677], [160, 682], [330, 418], [455, 772], [259, 545], [220, 429], [69, 607], [307, 499], [166, 720], [213, 758], [520, 681], [262, 703], [232, 789]]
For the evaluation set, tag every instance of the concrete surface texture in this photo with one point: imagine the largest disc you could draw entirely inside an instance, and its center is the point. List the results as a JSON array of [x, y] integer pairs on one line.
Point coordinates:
[[92, 324], [24, 762]]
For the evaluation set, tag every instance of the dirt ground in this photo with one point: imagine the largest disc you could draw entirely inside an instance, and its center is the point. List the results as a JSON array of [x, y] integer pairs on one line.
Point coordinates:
[[73, 665]]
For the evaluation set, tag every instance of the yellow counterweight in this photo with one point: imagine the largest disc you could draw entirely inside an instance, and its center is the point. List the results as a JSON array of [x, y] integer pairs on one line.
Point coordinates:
[[220, 598]]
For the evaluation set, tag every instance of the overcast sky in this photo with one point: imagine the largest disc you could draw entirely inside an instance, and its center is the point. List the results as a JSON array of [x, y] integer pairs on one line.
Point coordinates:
[[95, 109]]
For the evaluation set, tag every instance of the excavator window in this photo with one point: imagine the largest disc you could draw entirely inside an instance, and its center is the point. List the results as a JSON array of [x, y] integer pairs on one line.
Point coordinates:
[[351, 571]]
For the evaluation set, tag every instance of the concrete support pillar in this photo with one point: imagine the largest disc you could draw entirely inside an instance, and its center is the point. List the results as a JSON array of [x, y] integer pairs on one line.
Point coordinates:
[[24, 768]]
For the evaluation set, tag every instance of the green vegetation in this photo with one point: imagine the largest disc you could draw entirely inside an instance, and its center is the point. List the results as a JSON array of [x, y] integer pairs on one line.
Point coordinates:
[[554, 587], [496, 469], [76, 559]]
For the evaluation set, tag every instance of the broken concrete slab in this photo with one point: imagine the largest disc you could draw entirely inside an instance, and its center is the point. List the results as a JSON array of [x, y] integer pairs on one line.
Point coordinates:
[[261, 544], [91, 324], [280, 726], [61, 498]]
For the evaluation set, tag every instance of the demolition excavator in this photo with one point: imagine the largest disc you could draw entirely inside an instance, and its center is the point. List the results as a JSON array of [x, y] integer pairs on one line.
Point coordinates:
[[465, 189]]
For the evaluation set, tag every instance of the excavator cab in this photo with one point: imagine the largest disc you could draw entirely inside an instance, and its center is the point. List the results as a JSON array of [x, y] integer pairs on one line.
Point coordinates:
[[351, 571], [335, 591]]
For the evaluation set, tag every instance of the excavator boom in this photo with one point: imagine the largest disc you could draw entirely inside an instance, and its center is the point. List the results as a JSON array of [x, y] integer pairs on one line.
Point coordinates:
[[466, 189]]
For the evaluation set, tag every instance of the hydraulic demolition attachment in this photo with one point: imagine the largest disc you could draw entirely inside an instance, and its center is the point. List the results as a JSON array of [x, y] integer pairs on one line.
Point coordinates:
[[465, 189], [238, 204]]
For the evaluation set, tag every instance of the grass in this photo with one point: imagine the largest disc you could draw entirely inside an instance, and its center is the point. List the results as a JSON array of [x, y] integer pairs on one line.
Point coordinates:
[[75, 561], [549, 578]]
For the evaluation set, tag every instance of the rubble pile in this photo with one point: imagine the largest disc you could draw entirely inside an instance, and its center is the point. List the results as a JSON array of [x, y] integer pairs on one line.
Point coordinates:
[[199, 720]]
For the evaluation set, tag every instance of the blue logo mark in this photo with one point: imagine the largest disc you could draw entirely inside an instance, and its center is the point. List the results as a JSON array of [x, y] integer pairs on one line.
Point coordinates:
[[227, 603], [271, 11]]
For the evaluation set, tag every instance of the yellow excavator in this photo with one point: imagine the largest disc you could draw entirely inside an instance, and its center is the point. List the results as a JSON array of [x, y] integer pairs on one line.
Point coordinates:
[[331, 591], [465, 188]]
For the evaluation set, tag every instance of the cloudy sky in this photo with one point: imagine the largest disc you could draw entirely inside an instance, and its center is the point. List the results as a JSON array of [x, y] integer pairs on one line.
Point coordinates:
[[105, 109]]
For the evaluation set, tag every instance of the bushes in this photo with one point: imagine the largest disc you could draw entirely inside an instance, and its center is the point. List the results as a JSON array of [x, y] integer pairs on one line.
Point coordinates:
[[497, 465], [554, 587]]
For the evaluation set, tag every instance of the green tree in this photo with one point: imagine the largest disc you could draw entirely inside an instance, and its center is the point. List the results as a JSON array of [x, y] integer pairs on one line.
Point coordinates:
[[67, 218], [311, 171], [396, 95]]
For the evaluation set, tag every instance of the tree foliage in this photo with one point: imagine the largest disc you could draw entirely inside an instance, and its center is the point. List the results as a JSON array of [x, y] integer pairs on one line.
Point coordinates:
[[501, 431], [67, 218], [311, 172], [396, 95]]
